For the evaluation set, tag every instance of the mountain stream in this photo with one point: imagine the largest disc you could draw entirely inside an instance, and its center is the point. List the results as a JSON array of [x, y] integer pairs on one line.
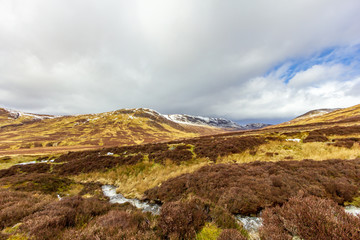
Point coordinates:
[[251, 224]]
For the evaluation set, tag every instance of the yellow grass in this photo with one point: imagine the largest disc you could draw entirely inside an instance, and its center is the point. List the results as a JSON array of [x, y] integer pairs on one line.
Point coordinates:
[[295, 151], [329, 117], [343, 136], [133, 180], [209, 232], [74, 189], [6, 162]]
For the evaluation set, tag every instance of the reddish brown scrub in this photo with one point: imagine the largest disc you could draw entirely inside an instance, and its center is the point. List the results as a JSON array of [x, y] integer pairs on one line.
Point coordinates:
[[309, 218], [231, 234], [248, 188], [181, 220]]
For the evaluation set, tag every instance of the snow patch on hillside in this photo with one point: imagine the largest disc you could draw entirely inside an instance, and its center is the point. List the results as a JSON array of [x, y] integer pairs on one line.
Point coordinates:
[[17, 114]]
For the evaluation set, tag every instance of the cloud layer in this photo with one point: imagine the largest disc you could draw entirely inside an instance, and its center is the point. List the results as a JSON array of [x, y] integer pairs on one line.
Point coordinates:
[[258, 60]]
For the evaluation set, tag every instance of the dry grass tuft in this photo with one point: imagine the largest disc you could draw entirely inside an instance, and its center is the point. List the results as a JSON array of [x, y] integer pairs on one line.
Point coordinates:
[[133, 180], [295, 151]]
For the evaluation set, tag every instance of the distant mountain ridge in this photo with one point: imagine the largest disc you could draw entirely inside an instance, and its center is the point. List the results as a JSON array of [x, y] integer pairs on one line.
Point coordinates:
[[177, 118], [214, 122]]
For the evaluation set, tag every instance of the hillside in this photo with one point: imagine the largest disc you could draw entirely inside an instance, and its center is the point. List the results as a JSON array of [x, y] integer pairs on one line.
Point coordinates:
[[232, 185], [343, 116], [35, 132]]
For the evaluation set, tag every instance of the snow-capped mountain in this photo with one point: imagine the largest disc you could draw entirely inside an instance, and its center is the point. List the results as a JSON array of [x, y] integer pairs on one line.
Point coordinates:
[[213, 122], [256, 125]]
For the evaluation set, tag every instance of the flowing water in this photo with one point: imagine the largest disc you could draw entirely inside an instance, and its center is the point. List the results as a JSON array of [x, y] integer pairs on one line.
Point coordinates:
[[352, 210], [110, 191], [251, 224]]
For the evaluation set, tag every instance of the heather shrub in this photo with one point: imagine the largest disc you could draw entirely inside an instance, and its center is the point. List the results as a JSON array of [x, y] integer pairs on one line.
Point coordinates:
[[45, 183], [93, 163], [247, 188], [243, 200], [20, 169], [38, 182], [3, 236], [14, 206], [222, 146], [337, 130], [116, 224], [345, 142], [205, 147], [177, 155], [55, 217], [231, 234], [315, 137], [223, 218], [181, 220], [309, 218]]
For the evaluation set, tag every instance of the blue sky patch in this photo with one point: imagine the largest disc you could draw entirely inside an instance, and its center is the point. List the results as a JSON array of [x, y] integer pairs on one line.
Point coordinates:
[[346, 56]]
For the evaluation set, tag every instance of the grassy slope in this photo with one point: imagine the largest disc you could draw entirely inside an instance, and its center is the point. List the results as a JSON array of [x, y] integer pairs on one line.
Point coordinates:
[[136, 169], [123, 127], [351, 114]]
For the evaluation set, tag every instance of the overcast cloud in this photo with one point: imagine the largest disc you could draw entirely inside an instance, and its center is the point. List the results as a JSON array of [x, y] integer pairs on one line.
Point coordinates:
[[255, 59]]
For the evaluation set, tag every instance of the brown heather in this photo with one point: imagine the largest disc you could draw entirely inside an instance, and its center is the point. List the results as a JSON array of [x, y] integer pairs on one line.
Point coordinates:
[[345, 142], [181, 220], [16, 205], [231, 234], [20, 169], [116, 224], [57, 216], [314, 137], [337, 130], [248, 188], [309, 218]]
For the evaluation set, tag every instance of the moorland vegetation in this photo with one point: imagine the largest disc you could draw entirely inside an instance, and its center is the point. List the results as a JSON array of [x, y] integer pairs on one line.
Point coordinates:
[[297, 177]]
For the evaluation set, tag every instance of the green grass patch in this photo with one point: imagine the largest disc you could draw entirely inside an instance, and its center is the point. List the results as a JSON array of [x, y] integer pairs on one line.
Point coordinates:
[[209, 232], [355, 202]]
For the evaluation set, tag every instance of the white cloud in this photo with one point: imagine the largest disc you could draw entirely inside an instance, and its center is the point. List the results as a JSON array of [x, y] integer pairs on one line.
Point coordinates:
[[318, 74], [196, 57], [270, 97]]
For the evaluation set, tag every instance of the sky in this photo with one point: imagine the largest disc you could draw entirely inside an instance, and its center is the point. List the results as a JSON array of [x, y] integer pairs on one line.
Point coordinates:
[[258, 60]]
